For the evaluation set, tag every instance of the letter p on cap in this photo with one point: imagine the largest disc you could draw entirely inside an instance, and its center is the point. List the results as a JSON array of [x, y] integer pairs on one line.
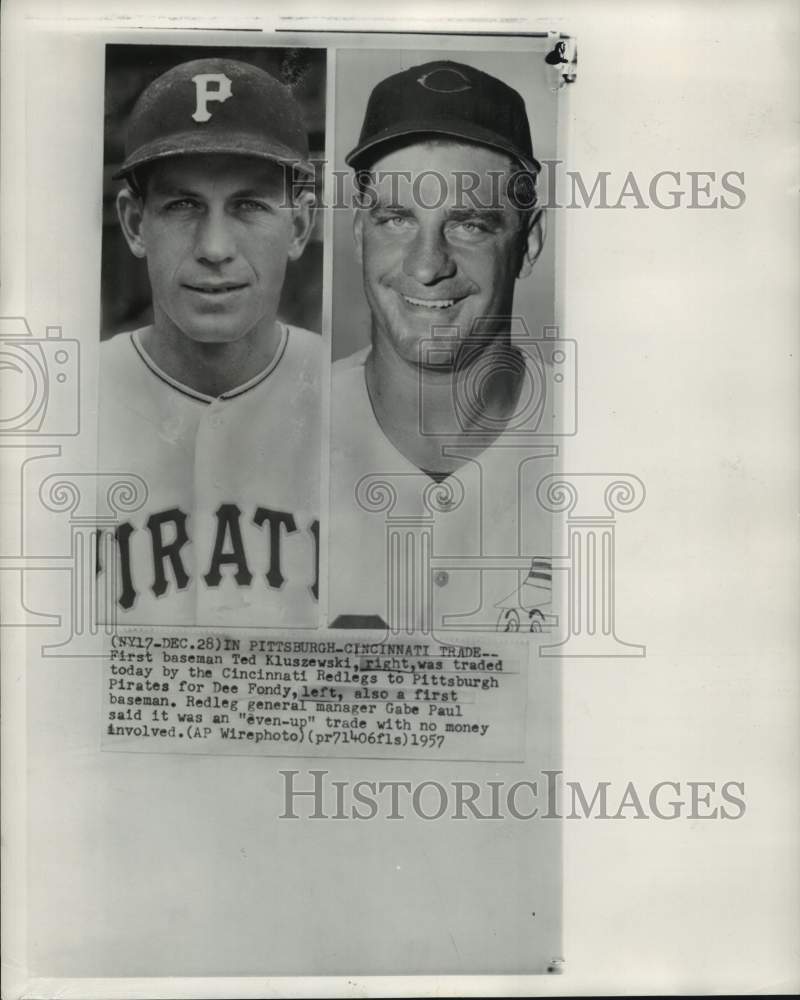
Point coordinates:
[[221, 92]]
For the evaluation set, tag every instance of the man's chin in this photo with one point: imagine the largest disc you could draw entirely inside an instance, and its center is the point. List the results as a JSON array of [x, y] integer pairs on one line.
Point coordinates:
[[215, 332], [426, 346]]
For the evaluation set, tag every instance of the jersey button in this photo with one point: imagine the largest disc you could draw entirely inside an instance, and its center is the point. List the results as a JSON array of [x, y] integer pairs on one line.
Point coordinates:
[[441, 578]]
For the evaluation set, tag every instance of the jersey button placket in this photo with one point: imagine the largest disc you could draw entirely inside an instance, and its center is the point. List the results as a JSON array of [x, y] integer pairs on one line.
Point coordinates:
[[215, 445], [215, 417]]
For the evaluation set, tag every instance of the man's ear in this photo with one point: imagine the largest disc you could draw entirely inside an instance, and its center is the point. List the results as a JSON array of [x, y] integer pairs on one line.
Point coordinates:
[[130, 209], [534, 243], [303, 212]]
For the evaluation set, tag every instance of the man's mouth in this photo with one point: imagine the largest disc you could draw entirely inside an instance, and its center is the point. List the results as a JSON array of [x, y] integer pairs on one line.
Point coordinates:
[[216, 288], [429, 303]]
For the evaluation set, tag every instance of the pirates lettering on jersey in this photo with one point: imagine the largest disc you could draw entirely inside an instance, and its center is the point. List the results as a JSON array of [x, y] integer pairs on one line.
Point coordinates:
[[228, 533], [169, 566]]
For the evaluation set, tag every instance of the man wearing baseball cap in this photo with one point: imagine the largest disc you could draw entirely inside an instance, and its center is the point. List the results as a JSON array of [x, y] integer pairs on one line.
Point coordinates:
[[426, 421], [215, 405]]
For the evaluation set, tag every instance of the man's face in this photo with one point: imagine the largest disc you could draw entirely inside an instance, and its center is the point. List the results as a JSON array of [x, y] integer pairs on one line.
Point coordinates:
[[217, 234], [434, 255]]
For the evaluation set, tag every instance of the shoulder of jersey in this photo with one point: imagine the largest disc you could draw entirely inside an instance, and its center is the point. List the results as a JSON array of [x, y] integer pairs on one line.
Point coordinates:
[[118, 347], [302, 359], [355, 431], [348, 389], [298, 335], [351, 364], [119, 362]]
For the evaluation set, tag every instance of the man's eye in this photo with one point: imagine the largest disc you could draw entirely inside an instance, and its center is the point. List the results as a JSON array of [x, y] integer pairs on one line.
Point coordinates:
[[470, 228], [251, 205], [395, 222], [181, 205]]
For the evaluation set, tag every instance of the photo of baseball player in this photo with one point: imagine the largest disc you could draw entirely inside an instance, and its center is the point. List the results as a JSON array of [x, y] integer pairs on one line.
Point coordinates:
[[214, 404], [439, 427]]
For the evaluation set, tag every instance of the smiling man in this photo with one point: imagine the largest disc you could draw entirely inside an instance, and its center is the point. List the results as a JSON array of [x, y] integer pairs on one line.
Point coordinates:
[[432, 524], [215, 406]]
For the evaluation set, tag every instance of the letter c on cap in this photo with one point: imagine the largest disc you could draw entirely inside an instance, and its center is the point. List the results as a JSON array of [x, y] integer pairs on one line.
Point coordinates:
[[221, 92], [444, 80]]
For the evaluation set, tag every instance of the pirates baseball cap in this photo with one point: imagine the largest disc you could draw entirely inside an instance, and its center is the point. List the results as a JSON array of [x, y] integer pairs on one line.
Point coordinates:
[[215, 106], [444, 98]]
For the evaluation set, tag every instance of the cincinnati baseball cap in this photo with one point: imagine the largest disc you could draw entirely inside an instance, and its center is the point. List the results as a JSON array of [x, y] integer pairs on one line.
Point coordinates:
[[215, 106], [445, 98]]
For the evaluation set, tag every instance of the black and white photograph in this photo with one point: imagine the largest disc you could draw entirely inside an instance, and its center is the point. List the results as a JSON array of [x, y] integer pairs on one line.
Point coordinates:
[[444, 335], [212, 355]]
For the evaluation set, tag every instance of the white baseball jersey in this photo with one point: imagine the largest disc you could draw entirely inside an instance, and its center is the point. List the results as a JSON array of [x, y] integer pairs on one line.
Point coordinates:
[[411, 551], [228, 534]]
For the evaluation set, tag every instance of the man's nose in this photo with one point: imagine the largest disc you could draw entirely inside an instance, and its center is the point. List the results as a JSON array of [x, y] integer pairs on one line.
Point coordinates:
[[215, 241], [428, 257]]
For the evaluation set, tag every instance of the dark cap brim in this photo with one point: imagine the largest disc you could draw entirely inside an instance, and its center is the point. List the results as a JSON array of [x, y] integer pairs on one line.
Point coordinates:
[[454, 129], [193, 143]]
